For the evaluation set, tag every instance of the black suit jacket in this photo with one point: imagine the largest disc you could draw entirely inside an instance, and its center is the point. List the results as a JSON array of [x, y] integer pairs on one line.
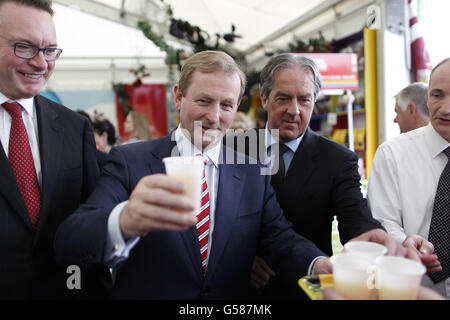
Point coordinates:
[[322, 181], [69, 170]]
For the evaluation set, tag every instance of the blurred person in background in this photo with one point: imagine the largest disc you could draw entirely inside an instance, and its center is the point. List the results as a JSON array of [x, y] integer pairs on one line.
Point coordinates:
[[136, 127], [411, 107], [241, 121], [261, 118], [104, 134], [101, 155]]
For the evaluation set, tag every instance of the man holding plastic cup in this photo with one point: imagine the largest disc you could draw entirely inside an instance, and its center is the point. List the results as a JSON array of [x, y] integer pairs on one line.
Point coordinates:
[[139, 221], [409, 185]]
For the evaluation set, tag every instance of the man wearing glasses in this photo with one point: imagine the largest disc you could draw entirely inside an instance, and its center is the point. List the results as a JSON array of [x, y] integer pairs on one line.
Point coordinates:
[[47, 161]]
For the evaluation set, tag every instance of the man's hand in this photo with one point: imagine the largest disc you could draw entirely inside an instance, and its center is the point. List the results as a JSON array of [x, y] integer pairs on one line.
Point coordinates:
[[394, 249], [425, 250], [321, 266], [380, 236], [261, 273], [157, 203]]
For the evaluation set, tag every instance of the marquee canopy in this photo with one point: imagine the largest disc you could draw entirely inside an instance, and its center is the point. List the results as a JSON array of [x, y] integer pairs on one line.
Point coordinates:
[[260, 24]]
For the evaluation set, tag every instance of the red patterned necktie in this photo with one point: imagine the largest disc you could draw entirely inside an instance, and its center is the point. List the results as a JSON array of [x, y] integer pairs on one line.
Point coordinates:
[[203, 221], [22, 164]]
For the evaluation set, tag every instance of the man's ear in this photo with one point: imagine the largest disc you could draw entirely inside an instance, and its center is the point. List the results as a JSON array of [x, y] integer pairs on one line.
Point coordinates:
[[412, 110], [177, 97], [263, 101]]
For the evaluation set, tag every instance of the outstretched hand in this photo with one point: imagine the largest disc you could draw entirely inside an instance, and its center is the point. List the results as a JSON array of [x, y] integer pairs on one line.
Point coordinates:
[[424, 249], [157, 203]]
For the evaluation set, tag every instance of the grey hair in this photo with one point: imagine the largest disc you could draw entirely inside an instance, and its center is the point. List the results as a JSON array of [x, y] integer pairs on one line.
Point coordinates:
[[287, 61], [416, 93]]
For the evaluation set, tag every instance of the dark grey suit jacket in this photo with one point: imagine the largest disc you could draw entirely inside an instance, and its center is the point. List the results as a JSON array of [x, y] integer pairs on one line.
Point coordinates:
[[322, 182]]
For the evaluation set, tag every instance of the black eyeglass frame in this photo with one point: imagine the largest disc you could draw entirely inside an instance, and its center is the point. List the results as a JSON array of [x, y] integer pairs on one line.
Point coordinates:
[[37, 50]]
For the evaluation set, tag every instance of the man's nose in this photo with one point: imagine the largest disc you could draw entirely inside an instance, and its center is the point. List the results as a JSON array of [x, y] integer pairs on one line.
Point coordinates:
[[446, 105], [294, 108], [39, 61], [213, 114]]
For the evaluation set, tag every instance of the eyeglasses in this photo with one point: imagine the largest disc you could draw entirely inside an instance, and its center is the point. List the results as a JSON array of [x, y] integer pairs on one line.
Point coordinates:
[[29, 51]]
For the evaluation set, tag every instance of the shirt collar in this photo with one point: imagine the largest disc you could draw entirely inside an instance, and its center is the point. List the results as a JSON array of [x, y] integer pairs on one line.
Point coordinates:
[[27, 104], [436, 144], [186, 148], [292, 145]]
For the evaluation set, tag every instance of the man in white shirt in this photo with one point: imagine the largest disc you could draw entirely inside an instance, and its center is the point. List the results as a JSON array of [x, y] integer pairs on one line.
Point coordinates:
[[404, 180]]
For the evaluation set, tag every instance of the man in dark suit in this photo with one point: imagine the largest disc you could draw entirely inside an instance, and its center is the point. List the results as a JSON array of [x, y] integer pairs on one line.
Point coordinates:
[[47, 161], [138, 220], [320, 178]]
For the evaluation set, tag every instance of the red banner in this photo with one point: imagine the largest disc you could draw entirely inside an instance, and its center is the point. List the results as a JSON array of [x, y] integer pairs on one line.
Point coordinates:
[[338, 70]]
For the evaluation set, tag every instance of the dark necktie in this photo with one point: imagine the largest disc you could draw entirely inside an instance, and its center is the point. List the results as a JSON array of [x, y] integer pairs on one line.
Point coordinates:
[[439, 234], [278, 177], [22, 164]]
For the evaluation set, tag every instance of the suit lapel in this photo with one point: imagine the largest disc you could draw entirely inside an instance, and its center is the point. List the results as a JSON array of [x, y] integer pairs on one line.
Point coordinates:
[[51, 139], [190, 239], [303, 164], [10, 191], [231, 181]]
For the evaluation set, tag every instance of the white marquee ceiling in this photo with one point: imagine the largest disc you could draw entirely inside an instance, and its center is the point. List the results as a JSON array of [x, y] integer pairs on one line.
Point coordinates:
[[258, 22]]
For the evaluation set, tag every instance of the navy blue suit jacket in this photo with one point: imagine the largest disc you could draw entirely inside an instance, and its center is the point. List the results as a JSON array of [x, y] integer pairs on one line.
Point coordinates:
[[167, 265]]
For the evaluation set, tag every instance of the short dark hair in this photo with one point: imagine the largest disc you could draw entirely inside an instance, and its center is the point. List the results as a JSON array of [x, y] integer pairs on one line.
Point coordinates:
[[38, 4], [104, 125]]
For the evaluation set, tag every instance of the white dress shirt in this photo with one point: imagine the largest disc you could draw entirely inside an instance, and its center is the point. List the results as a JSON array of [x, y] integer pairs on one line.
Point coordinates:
[[403, 182], [119, 249], [30, 120]]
